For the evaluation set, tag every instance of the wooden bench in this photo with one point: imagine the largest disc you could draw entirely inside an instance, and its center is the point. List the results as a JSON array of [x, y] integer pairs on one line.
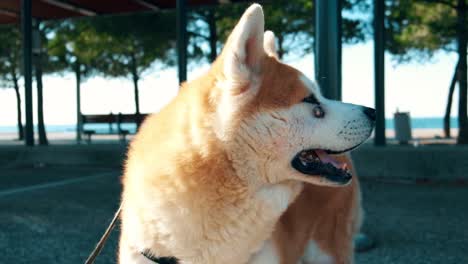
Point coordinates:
[[110, 119]]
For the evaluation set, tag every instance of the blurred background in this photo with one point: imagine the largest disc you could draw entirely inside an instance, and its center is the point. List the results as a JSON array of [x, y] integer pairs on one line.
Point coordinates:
[[129, 50], [77, 77]]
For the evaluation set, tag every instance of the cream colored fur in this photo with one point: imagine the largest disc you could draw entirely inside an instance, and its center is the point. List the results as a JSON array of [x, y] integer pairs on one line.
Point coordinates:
[[208, 177]]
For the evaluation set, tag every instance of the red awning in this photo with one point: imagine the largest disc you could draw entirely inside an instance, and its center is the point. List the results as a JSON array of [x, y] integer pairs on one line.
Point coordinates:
[[10, 10]]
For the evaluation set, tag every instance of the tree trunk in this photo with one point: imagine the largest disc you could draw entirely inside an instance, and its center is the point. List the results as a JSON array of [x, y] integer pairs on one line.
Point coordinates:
[[213, 35], [462, 74], [136, 94], [449, 103], [135, 83], [280, 47], [78, 102], [40, 104], [18, 106]]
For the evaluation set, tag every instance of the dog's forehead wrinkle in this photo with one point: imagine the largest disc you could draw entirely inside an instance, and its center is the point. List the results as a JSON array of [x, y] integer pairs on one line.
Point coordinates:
[[269, 130], [250, 146], [247, 131], [279, 116], [254, 130]]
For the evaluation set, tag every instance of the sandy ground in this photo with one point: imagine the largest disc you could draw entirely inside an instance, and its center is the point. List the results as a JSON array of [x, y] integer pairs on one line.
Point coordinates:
[[60, 138], [43, 222]]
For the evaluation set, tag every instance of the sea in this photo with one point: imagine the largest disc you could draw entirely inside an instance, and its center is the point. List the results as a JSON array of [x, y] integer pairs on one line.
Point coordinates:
[[416, 123]]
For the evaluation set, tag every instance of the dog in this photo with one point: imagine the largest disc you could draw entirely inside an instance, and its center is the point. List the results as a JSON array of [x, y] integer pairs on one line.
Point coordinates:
[[208, 177]]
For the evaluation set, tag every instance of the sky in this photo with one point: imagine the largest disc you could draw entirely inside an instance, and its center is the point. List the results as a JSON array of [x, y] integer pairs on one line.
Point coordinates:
[[418, 88]]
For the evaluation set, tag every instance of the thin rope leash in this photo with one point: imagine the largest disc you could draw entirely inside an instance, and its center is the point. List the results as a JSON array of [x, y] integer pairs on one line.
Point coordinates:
[[105, 236]]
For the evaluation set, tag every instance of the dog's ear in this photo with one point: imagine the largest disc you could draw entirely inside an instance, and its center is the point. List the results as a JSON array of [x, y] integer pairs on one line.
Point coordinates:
[[269, 44], [244, 53]]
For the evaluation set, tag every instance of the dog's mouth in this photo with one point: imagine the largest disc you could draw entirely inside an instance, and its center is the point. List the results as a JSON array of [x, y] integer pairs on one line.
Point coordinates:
[[318, 162]]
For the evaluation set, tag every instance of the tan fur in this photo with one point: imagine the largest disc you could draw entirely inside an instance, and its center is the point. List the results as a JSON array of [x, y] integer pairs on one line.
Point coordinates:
[[208, 177], [182, 195], [328, 216]]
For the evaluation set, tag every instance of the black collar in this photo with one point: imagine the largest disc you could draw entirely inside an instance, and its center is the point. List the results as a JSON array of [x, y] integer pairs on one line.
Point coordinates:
[[159, 260]]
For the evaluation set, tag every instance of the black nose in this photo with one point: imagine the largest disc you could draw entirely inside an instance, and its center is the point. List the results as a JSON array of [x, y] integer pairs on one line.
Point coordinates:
[[370, 112]]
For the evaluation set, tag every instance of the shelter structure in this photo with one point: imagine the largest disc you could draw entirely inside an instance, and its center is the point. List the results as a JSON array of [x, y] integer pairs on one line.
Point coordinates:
[[328, 40]]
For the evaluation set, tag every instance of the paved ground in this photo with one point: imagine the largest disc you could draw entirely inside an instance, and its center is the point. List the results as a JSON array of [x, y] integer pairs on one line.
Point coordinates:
[[59, 224], [416, 223], [42, 222]]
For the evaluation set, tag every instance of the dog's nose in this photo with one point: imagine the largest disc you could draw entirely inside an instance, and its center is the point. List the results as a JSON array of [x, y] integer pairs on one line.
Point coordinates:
[[370, 112]]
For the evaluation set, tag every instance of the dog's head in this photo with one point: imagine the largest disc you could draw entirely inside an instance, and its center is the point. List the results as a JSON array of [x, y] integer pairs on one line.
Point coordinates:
[[273, 121]]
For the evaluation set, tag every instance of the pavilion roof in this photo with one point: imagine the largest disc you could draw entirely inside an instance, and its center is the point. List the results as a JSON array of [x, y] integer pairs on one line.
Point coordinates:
[[10, 10]]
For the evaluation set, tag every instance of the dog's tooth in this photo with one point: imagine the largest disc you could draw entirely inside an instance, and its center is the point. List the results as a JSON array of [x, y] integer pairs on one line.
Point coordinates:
[[344, 166]]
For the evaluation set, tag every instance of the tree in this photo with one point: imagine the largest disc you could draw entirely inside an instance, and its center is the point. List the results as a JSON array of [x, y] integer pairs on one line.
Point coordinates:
[[38, 62], [448, 109], [10, 73], [76, 45], [43, 64], [292, 21], [419, 28], [132, 43]]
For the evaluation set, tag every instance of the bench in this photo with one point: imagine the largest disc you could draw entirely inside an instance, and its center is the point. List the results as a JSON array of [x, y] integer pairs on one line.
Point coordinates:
[[110, 119]]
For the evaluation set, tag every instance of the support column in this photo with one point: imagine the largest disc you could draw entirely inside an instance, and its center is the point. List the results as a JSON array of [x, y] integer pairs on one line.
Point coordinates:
[[26, 28], [79, 122], [328, 47], [182, 39], [379, 71]]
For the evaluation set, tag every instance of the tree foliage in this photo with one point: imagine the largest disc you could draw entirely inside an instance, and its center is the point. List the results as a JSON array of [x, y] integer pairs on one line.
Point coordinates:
[[10, 47], [75, 45], [417, 29], [116, 46], [131, 44], [143, 38], [292, 21]]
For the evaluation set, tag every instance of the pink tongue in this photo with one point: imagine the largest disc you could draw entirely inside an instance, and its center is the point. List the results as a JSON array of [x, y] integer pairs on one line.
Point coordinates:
[[325, 158]]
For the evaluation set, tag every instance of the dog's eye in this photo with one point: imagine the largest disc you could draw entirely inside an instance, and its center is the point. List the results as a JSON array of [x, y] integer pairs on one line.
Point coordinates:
[[318, 111], [311, 99]]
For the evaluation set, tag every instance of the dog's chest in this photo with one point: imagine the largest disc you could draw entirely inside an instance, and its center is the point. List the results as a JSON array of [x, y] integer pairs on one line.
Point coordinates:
[[233, 234], [195, 232], [244, 234]]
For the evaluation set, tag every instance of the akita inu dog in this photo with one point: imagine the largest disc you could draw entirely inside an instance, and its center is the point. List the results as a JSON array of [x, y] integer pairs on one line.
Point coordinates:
[[208, 177]]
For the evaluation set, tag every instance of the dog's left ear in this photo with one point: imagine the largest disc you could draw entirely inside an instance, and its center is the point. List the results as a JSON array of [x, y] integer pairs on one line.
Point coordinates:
[[244, 53], [269, 44]]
